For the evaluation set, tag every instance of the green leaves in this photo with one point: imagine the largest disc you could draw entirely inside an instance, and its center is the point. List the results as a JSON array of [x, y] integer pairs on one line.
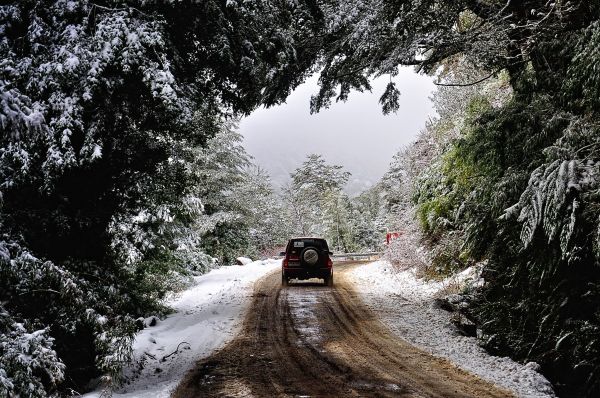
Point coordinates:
[[583, 80]]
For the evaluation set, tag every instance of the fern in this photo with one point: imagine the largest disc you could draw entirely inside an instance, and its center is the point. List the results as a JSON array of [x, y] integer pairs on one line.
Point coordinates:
[[550, 204]]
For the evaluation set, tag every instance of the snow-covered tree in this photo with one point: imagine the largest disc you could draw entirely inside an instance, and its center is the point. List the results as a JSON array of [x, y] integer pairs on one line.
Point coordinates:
[[240, 212], [316, 203], [337, 222], [265, 216], [104, 107], [368, 218]]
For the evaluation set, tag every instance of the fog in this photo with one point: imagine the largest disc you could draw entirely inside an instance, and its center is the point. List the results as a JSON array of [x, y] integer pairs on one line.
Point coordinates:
[[354, 134]]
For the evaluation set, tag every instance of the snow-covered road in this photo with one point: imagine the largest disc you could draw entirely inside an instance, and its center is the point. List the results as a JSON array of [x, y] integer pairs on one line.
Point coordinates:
[[207, 316], [210, 313], [403, 303], [311, 340]]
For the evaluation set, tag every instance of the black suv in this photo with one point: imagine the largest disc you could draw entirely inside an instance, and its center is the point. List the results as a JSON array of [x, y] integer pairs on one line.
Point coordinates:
[[307, 258]]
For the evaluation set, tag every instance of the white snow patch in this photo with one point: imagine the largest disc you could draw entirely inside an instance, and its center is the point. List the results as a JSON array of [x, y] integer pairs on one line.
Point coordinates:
[[403, 303], [206, 317], [244, 260], [97, 152]]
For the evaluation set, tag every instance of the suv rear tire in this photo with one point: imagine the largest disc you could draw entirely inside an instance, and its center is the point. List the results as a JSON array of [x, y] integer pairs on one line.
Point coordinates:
[[328, 280], [284, 280]]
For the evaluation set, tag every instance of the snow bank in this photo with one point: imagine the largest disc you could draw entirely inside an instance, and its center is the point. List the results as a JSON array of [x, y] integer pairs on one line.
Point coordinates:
[[243, 260], [207, 315], [404, 303]]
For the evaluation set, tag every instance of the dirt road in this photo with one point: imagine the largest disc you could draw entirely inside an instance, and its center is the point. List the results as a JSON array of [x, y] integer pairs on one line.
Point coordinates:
[[308, 340]]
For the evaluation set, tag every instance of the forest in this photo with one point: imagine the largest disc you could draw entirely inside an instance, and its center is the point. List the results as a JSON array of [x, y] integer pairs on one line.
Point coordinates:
[[122, 172]]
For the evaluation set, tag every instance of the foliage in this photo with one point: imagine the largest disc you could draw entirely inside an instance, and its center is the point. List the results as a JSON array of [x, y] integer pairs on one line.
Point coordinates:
[[28, 355], [240, 213], [532, 214], [105, 107], [316, 202], [373, 37], [368, 218], [29, 359], [527, 206], [510, 170]]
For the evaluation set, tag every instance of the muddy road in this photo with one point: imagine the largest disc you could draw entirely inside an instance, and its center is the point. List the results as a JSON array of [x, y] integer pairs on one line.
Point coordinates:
[[309, 340]]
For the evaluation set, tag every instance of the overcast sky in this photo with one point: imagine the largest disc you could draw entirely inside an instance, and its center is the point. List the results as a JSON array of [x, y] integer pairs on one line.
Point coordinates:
[[354, 134]]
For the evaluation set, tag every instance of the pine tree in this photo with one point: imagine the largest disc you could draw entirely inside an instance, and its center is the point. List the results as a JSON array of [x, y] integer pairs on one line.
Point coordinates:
[[316, 202]]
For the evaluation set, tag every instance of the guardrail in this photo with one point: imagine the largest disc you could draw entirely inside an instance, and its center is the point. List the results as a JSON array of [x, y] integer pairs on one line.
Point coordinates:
[[370, 256]]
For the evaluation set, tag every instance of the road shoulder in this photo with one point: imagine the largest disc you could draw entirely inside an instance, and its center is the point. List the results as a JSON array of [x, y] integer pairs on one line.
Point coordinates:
[[404, 304], [206, 317]]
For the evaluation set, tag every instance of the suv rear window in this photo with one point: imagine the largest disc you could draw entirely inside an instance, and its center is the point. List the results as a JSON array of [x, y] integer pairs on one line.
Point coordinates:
[[295, 246]]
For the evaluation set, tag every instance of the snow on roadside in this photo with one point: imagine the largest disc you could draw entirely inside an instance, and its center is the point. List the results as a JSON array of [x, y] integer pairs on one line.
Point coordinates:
[[404, 304], [206, 317], [244, 260]]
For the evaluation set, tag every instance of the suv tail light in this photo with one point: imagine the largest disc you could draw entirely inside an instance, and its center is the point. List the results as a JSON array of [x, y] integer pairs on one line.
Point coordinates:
[[285, 262], [329, 262]]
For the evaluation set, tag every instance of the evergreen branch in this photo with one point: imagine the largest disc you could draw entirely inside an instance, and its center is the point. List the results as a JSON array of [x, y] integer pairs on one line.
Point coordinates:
[[503, 8], [469, 84], [40, 290]]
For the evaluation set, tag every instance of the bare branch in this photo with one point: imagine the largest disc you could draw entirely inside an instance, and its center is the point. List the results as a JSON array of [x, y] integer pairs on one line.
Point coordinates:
[[174, 352]]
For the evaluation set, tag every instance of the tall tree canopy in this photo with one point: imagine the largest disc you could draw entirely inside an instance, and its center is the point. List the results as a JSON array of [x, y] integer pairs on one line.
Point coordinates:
[[374, 37]]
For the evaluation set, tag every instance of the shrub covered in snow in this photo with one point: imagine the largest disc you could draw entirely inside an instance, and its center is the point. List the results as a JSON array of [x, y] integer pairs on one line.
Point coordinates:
[[28, 364]]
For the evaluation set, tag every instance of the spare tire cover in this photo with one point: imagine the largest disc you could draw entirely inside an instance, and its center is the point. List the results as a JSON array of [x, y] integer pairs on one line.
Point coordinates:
[[310, 256]]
